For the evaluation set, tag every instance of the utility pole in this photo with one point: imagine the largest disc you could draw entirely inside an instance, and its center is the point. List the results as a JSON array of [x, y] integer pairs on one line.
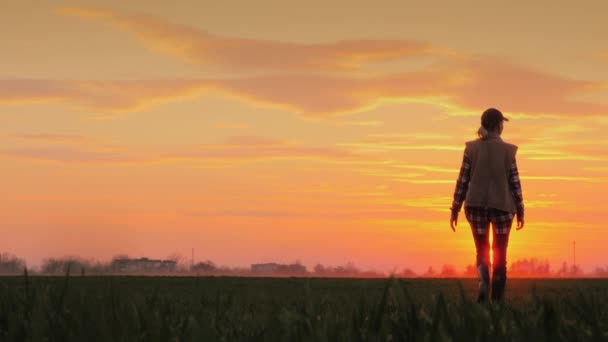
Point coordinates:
[[192, 260], [574, 252]]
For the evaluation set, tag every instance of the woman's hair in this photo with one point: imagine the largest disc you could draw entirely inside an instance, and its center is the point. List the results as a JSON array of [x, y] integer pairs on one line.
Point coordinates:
[[482, 132], [490, 122]]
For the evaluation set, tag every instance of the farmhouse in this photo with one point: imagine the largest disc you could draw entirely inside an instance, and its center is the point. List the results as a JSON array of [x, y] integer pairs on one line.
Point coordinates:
[[142, 265]]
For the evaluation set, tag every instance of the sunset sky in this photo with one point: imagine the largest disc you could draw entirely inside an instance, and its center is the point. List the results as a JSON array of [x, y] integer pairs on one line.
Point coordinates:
[[257, 131]]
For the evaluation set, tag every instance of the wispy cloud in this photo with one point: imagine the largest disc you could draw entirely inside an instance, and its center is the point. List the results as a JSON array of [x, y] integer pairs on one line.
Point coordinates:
[[602, 55], [435, 203], [317, 214], [99, 95], [237, 148], [323, 94], [368, 123], [429, 168], [54, 138], [72, 155], [306, 78], [231, 125], [596, 168], [494, 81], [255, 147], [457, 80], [198, 46], [566, 178], [379, 146]]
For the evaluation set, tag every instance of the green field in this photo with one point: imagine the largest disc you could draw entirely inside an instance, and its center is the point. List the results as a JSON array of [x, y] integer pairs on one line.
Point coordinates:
[[297, 309]]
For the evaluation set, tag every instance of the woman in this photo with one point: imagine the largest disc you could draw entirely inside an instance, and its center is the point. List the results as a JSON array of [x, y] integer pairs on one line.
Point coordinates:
[[490, 188]]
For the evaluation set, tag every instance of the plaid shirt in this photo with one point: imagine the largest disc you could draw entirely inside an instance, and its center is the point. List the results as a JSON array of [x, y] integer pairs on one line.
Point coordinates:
[[462, 185]]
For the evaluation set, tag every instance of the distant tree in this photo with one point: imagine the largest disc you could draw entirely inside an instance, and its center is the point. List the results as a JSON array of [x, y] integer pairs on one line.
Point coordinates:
[[319, 269], [563, 271], [406, 273], [470, 271], [175, 257], [10, 264], [430, 272], [182, 264], [207, 267], [601, 272], [530, 268], [575, 271], [447, 271], [350, 268]]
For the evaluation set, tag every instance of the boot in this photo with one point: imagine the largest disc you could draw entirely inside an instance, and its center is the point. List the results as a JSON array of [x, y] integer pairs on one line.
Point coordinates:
[[484, 281], [499, 279]]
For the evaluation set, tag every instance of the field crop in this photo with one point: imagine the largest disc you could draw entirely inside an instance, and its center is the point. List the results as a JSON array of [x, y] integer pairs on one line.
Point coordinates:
[[124, 308]]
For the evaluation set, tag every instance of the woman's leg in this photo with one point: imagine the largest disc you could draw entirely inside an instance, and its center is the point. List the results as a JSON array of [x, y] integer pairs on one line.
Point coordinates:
[[502, 222], [478, 219], [482, 246], [499, 266]]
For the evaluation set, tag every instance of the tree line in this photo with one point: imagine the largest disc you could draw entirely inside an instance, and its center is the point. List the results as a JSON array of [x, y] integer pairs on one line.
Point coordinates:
[[11, 264]]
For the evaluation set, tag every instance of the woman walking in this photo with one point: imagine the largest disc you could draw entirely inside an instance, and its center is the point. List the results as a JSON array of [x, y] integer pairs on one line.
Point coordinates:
[[489, 185]]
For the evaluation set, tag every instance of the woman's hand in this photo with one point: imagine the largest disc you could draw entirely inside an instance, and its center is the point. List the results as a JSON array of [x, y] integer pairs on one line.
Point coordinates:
[[454, 223], [520, 223]]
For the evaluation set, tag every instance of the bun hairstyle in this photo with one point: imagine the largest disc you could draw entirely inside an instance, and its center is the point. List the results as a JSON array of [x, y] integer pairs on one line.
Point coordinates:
[[482, 132], [490, 122]]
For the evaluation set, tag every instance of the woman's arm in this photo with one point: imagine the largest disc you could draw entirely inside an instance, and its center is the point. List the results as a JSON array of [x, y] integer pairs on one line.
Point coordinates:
[[515, 186], [462, 185]]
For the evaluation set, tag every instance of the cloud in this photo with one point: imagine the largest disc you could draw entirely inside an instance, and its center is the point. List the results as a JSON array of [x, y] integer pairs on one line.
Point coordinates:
[[54, 138], [429, 168], [460, 80], [237, 148], [71, 155], [404, 147], [198, 46], [100, 95], [367, 123], [471, 85], [279, 214], [601, 55], [567, 178], [256, 147], [231, 125], [313, 95], [495, 82]]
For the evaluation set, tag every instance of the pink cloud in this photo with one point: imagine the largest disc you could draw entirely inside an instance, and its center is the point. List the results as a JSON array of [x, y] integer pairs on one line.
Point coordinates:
[[197, 46], [493, 82], [54, 138], [238, 148], [470, 84], [308, 82], [70, 155], [99, 95]]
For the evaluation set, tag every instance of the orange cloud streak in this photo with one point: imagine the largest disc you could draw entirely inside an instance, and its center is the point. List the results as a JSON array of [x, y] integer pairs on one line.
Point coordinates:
[[201, 47], [488, 83], [233, 149]]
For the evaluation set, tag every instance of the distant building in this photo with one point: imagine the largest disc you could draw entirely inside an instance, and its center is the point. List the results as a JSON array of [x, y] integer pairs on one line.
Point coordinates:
[[274, 268], [265, 268], [143, 265]]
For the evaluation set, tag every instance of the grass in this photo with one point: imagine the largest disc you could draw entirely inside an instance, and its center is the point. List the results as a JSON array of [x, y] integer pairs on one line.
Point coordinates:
[[77, 308]]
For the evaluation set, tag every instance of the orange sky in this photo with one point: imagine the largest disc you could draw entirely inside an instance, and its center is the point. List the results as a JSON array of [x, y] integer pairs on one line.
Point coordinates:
[[261, 131]]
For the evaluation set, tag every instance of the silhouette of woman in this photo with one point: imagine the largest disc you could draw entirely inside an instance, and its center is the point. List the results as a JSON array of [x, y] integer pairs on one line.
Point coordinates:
[[489, 185]]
